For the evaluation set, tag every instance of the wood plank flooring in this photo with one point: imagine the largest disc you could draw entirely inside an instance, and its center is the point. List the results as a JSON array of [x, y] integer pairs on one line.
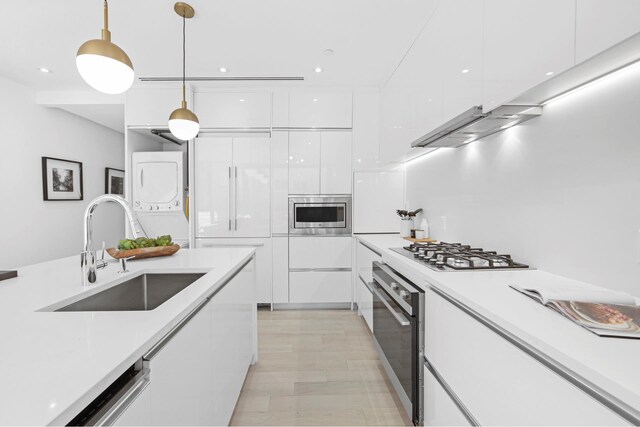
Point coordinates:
[[316, 367]]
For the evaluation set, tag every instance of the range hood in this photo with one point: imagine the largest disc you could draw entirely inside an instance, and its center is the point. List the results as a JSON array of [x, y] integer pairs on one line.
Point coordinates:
[[473, 124]]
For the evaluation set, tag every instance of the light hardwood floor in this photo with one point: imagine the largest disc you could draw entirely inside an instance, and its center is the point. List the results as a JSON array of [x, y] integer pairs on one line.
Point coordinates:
[[316, 367]]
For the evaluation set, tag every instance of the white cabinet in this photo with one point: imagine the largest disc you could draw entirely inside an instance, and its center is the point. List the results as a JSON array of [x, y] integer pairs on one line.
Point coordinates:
[[280, 269], [320, 162], [252, 187], [602, 23], [182, 374], [364, 267], [523, 41], [439, 408], [335, 163], [304, 162], [213, 187], [366, 130], [320, 252], [263, 260], [483, 368], [152, 106], [196, 377], [320, 270], [232, 188], [138, 413], [279, 183], [380, 192], [234, 328], [233, 110], [320, 110], [320, 287]]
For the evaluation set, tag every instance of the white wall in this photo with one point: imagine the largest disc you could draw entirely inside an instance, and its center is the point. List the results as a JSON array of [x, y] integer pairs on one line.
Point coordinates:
[[32, 230], [561, 192]]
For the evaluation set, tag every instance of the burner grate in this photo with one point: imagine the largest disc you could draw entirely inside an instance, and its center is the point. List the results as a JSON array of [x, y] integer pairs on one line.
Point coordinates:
[[460, 257]]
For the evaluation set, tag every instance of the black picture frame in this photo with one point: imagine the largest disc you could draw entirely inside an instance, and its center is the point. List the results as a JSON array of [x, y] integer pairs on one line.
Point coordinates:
[[62, 180], [108, 183]]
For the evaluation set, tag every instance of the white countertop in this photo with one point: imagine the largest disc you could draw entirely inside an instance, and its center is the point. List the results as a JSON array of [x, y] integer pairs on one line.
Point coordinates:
[[610, 363], [52, 364]]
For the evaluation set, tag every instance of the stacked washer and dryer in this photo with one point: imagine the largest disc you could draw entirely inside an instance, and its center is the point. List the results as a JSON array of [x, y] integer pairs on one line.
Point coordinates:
[[158, 194]]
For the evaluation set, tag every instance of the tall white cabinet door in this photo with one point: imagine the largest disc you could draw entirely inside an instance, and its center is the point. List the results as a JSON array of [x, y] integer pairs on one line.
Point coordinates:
[[279, 183], [335, 163], [213, 187], [251, 187], [304, 162], [523, 41]]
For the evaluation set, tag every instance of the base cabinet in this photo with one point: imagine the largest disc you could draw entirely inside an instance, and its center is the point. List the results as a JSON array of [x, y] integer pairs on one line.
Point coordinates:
[[320, 287], [496, 381], [365, 302], [196, 377], [263, 261], [439, 408], [138, 413]]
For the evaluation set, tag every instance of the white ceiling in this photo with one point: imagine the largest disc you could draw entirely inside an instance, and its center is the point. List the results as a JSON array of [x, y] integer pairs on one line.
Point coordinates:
[[249, 37]]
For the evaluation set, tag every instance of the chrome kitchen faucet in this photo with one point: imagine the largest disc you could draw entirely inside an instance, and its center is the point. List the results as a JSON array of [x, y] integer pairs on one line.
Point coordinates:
[[87, 256]]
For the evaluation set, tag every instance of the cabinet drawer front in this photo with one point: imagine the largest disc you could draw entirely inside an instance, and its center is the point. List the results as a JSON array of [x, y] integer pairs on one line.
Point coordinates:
[[319, 252], [499, 383], [320, 286], [439, 408]]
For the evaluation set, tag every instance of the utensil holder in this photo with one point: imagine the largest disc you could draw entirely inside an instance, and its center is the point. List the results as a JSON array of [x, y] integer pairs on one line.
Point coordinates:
[[406, 224]]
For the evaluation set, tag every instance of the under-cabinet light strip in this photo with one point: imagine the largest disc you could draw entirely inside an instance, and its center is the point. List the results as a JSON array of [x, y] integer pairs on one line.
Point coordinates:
[[593, 81]]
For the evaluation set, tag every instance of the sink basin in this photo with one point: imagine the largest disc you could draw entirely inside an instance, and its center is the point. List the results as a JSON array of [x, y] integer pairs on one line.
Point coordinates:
[[141, 293]]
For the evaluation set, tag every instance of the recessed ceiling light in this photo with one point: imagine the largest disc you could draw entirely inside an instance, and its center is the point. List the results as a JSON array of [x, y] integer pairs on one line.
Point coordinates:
[[549, 73], [44, 70], [318, 70], [328, 52], [465, 71], [315, 99], [222, 69], [241, 100]]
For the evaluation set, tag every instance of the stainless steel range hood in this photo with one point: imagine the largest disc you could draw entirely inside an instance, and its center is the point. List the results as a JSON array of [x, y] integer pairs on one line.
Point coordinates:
[[473, 124]]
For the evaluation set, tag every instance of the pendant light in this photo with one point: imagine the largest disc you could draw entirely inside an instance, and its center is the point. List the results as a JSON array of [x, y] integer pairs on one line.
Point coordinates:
[[183, 123], [103, 65]]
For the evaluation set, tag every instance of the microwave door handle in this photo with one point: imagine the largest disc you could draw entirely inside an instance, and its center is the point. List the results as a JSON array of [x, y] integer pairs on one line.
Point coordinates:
[[398, 316], [235, 199]]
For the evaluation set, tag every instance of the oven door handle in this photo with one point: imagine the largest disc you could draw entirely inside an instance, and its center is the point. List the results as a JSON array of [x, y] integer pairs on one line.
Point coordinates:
[[402, 320]]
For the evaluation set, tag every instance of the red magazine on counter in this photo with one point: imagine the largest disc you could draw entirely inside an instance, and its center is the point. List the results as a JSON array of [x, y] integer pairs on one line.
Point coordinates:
[[605, 313]]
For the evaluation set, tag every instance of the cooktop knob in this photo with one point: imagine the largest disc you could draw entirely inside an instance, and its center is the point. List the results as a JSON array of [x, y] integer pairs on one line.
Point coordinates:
[[150, 207], [394, 286], [404, 294]]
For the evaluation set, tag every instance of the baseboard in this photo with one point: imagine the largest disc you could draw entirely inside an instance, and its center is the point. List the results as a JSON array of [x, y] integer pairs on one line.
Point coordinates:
[[313, 306]]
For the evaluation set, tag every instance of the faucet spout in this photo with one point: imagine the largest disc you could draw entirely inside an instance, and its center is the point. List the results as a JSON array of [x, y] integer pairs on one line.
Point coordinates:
[[88, 257]]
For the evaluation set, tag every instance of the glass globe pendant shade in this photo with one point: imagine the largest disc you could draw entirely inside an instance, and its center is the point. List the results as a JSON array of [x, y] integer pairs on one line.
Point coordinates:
[[105, 67], [183, 123]]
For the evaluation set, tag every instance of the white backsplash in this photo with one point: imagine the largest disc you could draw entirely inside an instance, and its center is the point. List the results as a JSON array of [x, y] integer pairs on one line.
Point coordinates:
[[561, 192]]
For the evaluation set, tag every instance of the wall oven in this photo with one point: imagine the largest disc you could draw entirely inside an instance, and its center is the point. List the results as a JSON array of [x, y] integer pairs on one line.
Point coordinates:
[[320, 215], [398, 332]]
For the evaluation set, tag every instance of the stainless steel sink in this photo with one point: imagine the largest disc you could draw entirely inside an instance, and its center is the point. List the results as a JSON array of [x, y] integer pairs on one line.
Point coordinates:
[[141, 293]]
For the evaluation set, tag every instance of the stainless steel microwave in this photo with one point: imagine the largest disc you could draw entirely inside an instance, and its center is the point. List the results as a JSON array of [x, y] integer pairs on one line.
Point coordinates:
[[320, 215]]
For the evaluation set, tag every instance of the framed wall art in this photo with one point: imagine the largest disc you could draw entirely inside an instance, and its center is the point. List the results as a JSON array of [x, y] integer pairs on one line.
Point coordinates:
[[114, 181], [61, 179]]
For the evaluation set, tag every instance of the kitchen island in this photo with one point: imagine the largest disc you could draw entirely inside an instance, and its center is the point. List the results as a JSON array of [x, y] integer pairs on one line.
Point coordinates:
[[54, 364], [501, 358]]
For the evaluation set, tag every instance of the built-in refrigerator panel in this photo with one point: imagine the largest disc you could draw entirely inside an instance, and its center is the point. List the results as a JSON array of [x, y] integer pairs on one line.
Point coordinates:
[[376, 197]]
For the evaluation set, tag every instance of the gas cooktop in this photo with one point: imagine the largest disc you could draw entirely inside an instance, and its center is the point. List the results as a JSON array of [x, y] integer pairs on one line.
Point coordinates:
[[442, 256]]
